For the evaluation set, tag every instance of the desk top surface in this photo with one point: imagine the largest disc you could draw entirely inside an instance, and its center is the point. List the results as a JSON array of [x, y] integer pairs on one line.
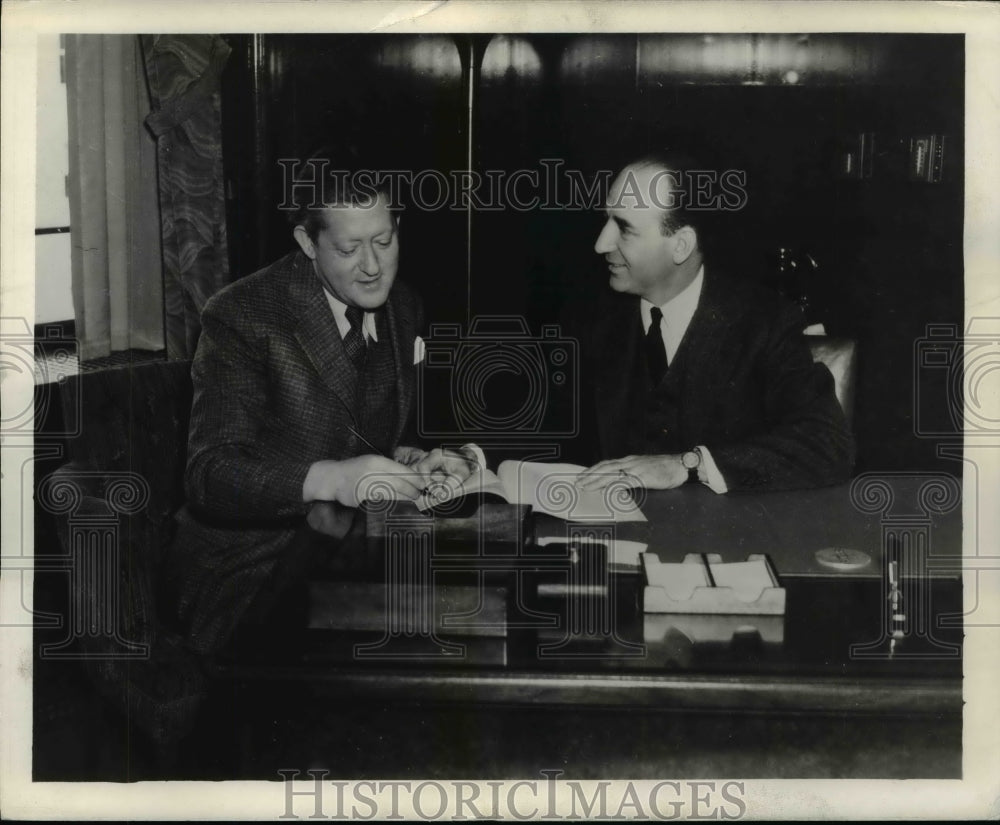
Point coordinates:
[[791, 526], [523, 634]]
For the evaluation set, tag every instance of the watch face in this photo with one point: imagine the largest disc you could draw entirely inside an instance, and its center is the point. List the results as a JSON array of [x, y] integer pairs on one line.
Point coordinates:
[[691, 459]]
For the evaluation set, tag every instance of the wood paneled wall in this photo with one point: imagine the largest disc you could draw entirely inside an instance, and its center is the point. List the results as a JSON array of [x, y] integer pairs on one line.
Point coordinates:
[[782, 108]]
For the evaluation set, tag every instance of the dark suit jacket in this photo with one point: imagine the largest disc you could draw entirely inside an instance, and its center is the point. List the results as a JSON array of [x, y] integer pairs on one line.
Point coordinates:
[[273, 393], [748, 388]]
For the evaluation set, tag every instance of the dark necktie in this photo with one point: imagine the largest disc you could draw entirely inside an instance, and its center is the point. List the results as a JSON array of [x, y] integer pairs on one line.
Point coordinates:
[[656, 353], [354, 341]]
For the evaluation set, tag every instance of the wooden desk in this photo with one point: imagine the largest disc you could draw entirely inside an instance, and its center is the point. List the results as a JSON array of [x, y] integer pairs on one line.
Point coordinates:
[[817, 694], [791, 527]]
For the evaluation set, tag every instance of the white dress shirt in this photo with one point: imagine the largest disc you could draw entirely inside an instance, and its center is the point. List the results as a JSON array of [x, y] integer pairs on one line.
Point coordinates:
[[339, 309], [677, 315]]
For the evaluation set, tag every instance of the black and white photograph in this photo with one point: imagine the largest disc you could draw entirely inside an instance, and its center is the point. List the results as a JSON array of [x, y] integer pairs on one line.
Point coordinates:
[[509, 411]]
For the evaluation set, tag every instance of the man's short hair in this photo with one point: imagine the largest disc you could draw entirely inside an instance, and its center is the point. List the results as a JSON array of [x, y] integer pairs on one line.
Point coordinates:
[[681, 165], [347, 179]]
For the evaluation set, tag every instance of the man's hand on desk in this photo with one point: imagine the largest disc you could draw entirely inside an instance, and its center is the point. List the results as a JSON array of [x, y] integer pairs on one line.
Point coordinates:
[[653, 472], [408, 455], [408, 476], [348, 481], [450, 467]]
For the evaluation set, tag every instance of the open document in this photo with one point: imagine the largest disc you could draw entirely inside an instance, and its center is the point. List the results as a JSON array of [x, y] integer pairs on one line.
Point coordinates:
[[548, 488]]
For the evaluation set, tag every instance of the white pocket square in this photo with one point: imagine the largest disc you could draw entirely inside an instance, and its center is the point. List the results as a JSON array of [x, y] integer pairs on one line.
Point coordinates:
[[418, 350]]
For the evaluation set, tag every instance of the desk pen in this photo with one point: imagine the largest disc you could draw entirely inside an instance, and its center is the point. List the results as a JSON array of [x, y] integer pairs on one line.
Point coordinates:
[[708, 569], [897, 616], [367, 443], [893, 587]]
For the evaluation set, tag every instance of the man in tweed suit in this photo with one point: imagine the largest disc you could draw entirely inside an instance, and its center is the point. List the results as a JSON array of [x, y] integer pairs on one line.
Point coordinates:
[[304, 382], [695, 376]]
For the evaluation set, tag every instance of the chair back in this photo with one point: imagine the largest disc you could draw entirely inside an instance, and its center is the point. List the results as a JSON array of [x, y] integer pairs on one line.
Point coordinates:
[[135, 418], [839, 355], [132, 419]]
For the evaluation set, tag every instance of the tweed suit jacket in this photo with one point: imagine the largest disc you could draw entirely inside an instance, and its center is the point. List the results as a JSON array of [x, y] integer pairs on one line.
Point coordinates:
[[274, 391], [747, 385]]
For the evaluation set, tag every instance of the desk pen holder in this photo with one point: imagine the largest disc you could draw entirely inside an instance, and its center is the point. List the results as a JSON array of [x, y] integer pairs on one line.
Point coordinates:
[[702, 584]]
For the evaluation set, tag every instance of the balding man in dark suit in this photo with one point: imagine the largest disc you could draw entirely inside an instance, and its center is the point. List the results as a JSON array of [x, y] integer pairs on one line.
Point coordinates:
[[692, 375]]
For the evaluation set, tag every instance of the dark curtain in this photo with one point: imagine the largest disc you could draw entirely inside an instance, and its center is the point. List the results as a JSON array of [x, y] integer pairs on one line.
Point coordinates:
[[184, 72]]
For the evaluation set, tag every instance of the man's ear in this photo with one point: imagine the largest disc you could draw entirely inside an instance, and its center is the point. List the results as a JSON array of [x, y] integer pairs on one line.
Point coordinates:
[[685, 244], [304, 241]]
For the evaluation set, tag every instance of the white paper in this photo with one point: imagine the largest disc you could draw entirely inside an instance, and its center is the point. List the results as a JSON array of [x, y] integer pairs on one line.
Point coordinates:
[[551, 489]]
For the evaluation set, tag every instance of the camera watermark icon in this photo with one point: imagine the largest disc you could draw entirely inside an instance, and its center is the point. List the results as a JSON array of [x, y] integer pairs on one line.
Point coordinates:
[[955, 376], [907, 619], [498, 381], [92, 525], [31, 417]]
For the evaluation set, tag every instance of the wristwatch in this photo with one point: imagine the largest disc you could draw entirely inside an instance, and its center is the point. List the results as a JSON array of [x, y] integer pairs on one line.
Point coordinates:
[[691, 460]]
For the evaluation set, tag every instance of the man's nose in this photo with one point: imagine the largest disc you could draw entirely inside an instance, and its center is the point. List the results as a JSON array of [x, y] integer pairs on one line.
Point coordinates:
[[606, 240], [369, 260]]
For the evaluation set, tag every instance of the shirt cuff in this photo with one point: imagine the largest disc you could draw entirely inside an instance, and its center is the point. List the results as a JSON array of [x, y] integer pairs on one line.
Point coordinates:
[[711, 477]]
